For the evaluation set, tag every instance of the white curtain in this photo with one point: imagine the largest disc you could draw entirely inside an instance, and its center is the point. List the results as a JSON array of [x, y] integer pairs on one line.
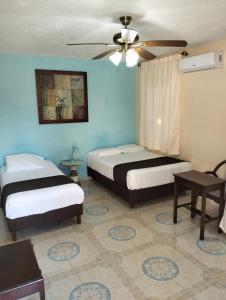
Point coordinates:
[[159, 104]]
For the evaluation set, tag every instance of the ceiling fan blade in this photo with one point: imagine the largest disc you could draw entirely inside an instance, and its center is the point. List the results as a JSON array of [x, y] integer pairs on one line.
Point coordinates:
[[144, 53], [165, 43], [88, 44], [104, 54]]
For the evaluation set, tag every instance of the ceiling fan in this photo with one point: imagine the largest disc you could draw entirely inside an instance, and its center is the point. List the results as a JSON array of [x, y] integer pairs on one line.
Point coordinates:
[[129, 46]]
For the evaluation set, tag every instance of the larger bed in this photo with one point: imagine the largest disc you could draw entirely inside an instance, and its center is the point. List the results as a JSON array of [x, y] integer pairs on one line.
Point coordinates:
[[39, 196], [147, 175]]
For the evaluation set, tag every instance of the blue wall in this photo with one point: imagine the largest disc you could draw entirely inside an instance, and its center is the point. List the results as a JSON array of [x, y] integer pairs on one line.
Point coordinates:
[[111, 99]]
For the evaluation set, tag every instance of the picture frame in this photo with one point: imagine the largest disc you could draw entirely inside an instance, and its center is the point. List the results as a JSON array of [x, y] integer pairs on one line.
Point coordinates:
[[62, 96]]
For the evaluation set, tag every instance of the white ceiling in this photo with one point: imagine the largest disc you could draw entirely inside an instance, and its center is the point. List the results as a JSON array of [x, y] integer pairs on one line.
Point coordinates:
[[43, 27]]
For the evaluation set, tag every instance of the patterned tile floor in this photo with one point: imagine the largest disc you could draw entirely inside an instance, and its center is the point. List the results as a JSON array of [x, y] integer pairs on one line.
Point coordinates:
[[121, 253]]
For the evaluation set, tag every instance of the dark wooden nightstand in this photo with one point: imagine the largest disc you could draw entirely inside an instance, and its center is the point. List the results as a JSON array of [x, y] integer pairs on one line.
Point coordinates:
[[20, 275], [200, 184]]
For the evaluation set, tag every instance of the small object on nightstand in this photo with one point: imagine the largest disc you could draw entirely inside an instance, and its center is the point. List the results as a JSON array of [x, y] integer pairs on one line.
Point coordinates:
[[73, 164], [74, 153]]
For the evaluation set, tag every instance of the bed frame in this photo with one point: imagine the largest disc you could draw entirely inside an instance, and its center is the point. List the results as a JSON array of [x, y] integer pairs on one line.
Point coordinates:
[[56, 215], [132, 196]]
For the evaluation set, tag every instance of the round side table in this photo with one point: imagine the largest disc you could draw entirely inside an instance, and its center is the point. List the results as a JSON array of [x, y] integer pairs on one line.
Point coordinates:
[[73, 164]]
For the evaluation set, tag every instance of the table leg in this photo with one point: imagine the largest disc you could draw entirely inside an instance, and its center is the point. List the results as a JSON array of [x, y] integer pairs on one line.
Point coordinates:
[[203, 216], [42, 291], [193, 203], [74, 174], [175, 201], [221, 206]]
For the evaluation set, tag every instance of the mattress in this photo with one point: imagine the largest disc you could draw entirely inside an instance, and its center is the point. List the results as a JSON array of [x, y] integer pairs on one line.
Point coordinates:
[[40, 200], [138, 178]]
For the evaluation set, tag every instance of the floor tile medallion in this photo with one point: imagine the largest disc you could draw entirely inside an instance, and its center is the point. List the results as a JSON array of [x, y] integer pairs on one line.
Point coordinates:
[[90, 290], [63, 251], [121, 233], [97, 210], [160, 268], [86, 191], [166, 218], [213, 246]]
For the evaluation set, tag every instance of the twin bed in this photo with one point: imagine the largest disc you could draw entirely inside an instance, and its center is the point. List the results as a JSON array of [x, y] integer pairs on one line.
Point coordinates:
[[134, 173], [35, 192]]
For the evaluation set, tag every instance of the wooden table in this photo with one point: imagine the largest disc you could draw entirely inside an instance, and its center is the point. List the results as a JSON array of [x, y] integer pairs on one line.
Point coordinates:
[[200, 184], [20, 275]]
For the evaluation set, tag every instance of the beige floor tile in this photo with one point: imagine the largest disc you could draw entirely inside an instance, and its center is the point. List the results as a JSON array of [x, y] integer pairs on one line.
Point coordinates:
[[174, 229], [121, 292], [209, 260], [211, 293], [117, 246], [101, 230], [72, 235], [106, 276], [50, 267], [41, 247], [88, 252], [187, 242], [165, 251], [189, 274], [155, 288], [142, 236], [60, 289], [132, 264]]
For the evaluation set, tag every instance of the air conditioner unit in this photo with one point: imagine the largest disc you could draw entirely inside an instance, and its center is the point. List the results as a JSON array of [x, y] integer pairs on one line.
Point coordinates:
[[210, 60]]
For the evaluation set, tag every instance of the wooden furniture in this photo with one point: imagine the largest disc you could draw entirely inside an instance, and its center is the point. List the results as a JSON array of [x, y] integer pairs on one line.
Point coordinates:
[[131, 196], [73, 164], [55, 215], [201, 184], [20, 275]]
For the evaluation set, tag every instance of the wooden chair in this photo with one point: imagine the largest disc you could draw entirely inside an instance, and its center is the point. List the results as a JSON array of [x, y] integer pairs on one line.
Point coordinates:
[[215, 195]]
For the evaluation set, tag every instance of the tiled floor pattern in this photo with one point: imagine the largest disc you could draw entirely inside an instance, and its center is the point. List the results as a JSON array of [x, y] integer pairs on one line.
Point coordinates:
[[121, 253]]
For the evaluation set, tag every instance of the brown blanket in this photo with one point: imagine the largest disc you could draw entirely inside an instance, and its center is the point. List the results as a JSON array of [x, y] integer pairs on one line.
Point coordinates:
[[32, 184], [120, 171]]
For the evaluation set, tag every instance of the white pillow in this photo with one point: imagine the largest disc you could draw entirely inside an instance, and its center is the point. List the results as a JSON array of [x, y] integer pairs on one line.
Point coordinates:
[[23, 161], [106, 152], [131, 148]]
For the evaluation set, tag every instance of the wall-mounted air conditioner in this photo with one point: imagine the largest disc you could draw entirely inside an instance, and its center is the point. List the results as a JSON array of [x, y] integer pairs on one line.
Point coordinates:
[[210, 60]]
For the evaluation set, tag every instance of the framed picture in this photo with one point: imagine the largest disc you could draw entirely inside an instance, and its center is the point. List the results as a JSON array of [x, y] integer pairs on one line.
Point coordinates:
[[62, 96]]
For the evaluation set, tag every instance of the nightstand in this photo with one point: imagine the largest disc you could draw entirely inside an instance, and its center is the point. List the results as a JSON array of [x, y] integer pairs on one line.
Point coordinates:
[[73, 164]]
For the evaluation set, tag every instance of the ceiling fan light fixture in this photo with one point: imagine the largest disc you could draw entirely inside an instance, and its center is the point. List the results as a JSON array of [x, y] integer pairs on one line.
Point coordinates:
[[128, 35], [131, 58], [116, 58]]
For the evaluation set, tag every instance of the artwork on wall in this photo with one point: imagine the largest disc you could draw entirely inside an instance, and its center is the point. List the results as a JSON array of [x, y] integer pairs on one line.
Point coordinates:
[[62, 96]]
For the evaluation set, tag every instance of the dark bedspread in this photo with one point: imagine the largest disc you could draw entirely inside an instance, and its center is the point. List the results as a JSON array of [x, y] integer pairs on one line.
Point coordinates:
[[120, 171], [32, 184]]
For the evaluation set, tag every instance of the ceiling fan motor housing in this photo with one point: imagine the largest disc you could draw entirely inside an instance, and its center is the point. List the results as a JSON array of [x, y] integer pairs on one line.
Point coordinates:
[[117, 39]]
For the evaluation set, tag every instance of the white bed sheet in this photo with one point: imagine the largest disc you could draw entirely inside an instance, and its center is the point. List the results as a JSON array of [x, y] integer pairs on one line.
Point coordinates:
[[40, 200], [138, 178]]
